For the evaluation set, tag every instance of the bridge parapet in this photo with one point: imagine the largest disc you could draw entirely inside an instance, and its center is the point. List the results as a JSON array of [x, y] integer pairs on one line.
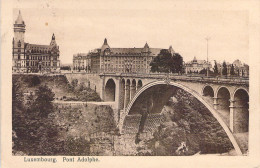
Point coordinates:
[[171, 76]]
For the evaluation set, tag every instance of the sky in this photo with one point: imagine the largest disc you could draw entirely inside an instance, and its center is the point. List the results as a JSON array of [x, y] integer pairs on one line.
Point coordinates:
[[81, 28]]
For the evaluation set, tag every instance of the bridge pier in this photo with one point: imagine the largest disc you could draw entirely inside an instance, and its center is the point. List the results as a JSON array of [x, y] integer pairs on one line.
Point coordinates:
[[127, 94], [232, 110], [215, 103], [132, 90]]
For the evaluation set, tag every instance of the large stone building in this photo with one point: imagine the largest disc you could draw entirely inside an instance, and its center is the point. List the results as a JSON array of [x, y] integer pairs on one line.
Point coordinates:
[[82, 62], [33, 57], [240, 69], [123, 60], [195, 66]]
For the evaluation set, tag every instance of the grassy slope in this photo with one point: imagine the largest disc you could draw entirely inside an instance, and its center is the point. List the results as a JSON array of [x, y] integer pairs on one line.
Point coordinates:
[[58, 84]]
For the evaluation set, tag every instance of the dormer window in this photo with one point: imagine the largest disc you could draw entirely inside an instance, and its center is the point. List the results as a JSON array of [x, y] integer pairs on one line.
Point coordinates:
[[107, 51]]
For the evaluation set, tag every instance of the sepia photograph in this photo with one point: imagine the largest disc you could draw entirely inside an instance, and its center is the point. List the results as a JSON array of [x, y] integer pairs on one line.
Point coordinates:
[[145, 78]]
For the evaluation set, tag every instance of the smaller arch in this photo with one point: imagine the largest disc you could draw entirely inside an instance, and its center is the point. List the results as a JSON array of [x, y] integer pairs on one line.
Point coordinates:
[[240, 88], [241, 110], [110, 90], [223, 95], [139, 84], [128, 82], [133, 88], [122, 94], [216, 93], [127, 90], [208, 91]]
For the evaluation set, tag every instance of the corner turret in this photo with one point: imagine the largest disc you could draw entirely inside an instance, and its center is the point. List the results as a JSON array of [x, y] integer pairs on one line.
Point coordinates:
[[53, 42], [105, 45]]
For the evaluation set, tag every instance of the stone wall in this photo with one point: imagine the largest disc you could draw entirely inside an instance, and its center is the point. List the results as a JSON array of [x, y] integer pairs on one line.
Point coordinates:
[[93, 80], [131, 124], [152, 122]]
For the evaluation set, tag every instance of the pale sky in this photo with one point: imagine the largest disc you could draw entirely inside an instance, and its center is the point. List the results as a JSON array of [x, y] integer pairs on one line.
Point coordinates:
[[84, 28]]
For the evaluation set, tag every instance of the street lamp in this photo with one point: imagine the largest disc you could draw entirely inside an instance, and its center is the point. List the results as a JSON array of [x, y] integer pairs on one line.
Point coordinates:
[[207, 39]]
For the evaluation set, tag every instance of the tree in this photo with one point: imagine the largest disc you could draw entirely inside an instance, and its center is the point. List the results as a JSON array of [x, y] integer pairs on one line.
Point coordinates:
[[215, 69], [35, 132], [43, 101], [35, 80], [166, 62], [74, 83], [177, 63], [204, 71], [224, 70], [232, 70]]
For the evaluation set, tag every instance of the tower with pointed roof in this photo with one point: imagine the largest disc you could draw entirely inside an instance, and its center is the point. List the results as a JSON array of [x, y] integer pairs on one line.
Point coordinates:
[[53, 42], [18, 42], [146, 48], [19, 30], [104, 46], [33, 57]]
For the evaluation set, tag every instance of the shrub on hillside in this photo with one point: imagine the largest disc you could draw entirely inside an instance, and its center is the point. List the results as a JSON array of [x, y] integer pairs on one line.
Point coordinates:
[[32, 80], [82, 92], [77, 147], [36, 133]]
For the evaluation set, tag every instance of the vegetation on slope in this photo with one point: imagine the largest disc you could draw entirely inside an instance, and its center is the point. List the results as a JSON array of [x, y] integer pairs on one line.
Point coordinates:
[[34, 116], [187, 120]]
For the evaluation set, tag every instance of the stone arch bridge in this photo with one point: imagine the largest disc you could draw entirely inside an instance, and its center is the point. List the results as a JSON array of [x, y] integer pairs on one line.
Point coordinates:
[[226, 98]]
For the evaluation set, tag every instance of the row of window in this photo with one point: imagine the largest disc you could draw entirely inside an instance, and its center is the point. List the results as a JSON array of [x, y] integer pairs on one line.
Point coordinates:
[[126, 58], [122, 66], [40, 58], [43, 63]]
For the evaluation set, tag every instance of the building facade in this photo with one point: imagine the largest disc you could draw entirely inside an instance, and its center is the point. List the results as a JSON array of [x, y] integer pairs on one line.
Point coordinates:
[[82, 62], [195, 66], [123, 60], [240, 69], [27, 58]]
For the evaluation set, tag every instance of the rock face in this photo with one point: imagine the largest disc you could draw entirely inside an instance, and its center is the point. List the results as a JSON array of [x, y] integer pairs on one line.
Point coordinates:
[[188, 128]]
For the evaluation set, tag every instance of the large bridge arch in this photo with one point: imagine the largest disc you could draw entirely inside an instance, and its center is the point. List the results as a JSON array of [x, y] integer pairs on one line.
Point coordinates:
[[110, 90], [195, 94]]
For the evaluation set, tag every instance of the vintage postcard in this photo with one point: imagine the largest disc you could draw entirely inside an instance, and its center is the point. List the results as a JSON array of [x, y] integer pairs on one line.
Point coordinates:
[[130, 83]]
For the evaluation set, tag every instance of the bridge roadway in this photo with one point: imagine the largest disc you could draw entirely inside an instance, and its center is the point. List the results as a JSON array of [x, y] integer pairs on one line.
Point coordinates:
[[227, 98]]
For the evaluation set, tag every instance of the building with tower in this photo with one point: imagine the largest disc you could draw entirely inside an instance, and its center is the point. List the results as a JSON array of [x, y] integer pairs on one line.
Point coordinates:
[[123, 60], [195, 66], [35, 58]]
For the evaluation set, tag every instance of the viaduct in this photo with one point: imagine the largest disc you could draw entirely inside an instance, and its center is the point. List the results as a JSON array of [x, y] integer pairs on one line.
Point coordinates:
[[134, 95]]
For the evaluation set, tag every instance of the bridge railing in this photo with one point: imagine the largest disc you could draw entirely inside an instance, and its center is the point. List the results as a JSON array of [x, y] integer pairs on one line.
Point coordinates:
[[182, 77]]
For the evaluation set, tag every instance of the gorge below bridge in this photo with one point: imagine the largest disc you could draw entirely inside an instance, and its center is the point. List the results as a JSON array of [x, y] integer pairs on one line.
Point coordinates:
[[138, 99]]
